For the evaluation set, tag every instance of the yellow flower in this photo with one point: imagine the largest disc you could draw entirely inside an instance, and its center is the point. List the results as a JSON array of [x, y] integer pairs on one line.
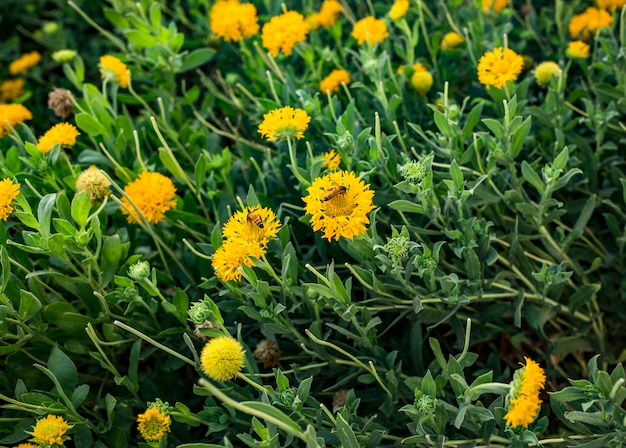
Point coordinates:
[[24, 63], [153, 194], [231, 256], [329, 13], [451, 40], [494, 5], [63, 133], [283, 123], [371, 30], [13, 114], [591, 21], [50, 430], [331, 160], [222, 358], [611, 4], [233, 21], [522, 411], [26, 445], [11, 89], [153, 424], [545, 71], [332, 82], [112, 68], [8, 193], [338, 204], [313, 21], [94, 183], [497, 67], [399, 9], [577, 49], [283, 32], [532, 377], [524, 402], [255, 225], [422, 81]]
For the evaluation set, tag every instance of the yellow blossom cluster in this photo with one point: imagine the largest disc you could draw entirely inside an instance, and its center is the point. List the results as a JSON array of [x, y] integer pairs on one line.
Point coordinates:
[[24, 63], [523, 401], [152, 194], [62, 133], [333, 81], [114, 69], [327, 16], [222, 358], [497, 67], [154, 424], [11, 89], [587, 24], [283, 32], [234, 21]]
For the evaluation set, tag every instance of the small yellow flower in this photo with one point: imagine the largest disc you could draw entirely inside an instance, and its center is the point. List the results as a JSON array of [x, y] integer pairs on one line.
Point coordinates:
[[611, 4], [591, 21], [283, 123], [8, 193], [222, 358], [283, 32], [234, 21], [255, 225], [422, 81], [371, 30], [24, 63], [94, 183], [331, 160], [451, 40], [50, 431], [11, 89], [231, 256], [153, 194], [329, 13], [153, 425], [13, 114], [494, 5], [399, 9], [524, 402], [522, 411], [63, 133], [545, 71], [497, 67], [114, 69], [338, 204], [333, 82], [26, 445], [577, 49]]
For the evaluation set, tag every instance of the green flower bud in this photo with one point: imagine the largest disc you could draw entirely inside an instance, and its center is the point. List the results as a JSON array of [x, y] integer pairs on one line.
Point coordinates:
[[64, 56], [413, 172], [139, 271], [426, 404], [200, 312]]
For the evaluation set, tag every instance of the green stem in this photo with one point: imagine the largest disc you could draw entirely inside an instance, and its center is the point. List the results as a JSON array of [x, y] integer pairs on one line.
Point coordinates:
[[294, 164]]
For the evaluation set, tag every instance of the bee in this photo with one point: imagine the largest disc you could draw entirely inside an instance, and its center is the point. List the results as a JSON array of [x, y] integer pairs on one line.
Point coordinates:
[[334, 192], [255, 219]]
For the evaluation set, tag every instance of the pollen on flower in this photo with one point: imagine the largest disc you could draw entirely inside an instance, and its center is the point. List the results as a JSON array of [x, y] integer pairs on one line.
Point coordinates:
[[283, 123], [222, 358], [153, 194], [370, 30], [497, 67], [331, 160], [333, 81], [11, 89], [8, 193], [234, 21], [61, 133], [50, 430], [577, 49], [24, 63], [153, 425], [112, 68], [231, 256], [588, 23], [255, 225], [283, 32], [12, 114], [545, 71]]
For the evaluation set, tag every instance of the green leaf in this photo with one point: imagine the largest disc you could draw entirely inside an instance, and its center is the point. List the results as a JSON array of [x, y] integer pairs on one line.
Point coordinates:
[[457, 175], [81, 204], [345, 433], [141, 39], [560, 162], [168, 160], [44, 213], [63, 368], [531, 176], [196, 58], [29, 305], [6, 268], [429, 387], [402, 205], [79, 395], [272, 412], [89, 124]]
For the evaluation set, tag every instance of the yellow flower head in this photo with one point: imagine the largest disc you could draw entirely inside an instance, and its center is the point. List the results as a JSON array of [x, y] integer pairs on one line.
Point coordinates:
[[583, 25], [332, 82], [13, 114], [8, 193], [232, 255], [11, 89], [153, 194], [399, 9], [26, 445], [451, 40], [338, 204], [94, 183], [222, 358], [577, 49], [329, 13], [112, 68], [422, 81], [611, 4], [234, 21], [497, 67], [63, 133], [522, 411], [50, 430], [494, 5], [371, 30], [153, 424], [283, 32], [24, 63], [283, 123], [255, 225], [545, 71], [331, 160], [524, 402]]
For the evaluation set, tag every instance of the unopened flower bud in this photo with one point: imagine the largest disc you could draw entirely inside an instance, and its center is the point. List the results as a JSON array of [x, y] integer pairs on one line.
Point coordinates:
[[139, 271], [63, 56], [93, 182]]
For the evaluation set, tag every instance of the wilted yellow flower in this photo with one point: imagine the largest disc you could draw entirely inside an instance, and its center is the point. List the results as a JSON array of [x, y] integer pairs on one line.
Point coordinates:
[[332, 82], [497, 67], [94, 183], [283, 123], [545, 71], [232, 255], [24, 63], [114, 69], [50, 430], [153, 194], [338, 204], [233, 21], [283, 32], [268, 351], [256, 225], [222, 358], [524, 402], [60, 101], [11, 89], [329, 13], [577, 49], [331, 160], [8, 193], [153, 424], [12, 114], [371, 30], [494, 5], [63, 133], [451, 40], [399, 9], [583, 25]]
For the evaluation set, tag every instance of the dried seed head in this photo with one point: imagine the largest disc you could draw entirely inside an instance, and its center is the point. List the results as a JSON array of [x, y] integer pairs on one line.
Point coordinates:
[[60, 101], [339, 397], [268, 351]]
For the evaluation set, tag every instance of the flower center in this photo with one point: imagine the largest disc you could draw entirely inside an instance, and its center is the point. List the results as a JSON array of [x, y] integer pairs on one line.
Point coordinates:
[[340, 205]]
